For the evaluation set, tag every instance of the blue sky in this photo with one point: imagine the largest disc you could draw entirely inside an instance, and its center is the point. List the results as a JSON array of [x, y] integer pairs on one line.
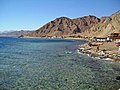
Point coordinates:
[[32, 14]]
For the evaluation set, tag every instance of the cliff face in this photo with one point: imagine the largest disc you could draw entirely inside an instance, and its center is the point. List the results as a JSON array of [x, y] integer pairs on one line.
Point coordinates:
[[86, 22], [106, 26], [66, 26]]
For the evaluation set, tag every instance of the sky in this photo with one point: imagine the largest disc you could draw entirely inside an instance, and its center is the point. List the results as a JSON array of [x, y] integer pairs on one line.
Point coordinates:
[[33, 14]]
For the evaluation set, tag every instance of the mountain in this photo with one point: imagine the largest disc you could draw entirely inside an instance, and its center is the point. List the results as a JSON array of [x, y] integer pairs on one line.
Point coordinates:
[[15, 33], [106, 26], [58, 27], [89, 26], [65, 26], [86, 22]]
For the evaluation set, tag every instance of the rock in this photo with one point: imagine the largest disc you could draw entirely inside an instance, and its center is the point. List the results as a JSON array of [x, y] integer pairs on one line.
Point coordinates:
[[118, 78], [21, 36], [106, 26], [86, 22]]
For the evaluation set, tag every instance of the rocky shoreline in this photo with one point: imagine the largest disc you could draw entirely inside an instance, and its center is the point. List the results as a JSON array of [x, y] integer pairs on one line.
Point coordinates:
[[104, 54]]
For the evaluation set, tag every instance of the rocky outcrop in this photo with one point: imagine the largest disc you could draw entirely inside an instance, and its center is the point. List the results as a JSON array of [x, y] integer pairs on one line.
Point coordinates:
[[65, 26], [106, 26], [86, 22]]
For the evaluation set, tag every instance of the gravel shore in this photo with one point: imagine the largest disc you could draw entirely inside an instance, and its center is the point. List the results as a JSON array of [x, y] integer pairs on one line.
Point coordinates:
[[105, 50]]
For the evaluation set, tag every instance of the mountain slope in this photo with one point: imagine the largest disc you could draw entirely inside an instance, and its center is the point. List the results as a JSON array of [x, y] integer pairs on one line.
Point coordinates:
[[89, 26], [105, 27], [58, 27], [86, 22], [65, 26]]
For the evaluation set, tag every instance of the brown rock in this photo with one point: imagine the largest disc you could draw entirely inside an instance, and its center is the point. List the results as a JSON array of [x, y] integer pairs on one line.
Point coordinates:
[[65, 26], [106, 26], [89, 26]]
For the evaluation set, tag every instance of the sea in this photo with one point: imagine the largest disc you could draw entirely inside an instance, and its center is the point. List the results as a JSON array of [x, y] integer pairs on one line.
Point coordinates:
[[53, 64]]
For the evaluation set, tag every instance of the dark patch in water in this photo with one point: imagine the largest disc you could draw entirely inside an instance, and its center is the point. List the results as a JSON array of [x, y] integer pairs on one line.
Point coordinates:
[[118, 78]]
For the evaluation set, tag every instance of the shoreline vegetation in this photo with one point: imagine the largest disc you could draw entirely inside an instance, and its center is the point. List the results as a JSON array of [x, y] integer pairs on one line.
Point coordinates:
[[99, 50]]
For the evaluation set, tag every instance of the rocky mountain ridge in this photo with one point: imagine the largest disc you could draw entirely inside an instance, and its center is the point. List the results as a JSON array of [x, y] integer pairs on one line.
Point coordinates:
[[106, 26], [87, 26], [65, 26]]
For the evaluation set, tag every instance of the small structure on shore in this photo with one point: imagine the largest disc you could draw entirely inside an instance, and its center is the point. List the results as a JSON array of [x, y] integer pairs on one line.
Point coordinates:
[[114, 36], [118, 43], [55, 37], [95, 43], [100, 39]]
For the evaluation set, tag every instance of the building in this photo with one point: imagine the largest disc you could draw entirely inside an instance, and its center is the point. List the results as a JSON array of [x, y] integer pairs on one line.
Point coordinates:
[[117, 42], [114, 36], [100, 39]]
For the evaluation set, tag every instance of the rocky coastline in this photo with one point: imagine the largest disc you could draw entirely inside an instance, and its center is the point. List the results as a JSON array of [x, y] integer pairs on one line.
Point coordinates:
[[101, 53], [107, 50]]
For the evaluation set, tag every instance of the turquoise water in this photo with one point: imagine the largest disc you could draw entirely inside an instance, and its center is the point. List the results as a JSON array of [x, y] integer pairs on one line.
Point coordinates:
[[43, 64]]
